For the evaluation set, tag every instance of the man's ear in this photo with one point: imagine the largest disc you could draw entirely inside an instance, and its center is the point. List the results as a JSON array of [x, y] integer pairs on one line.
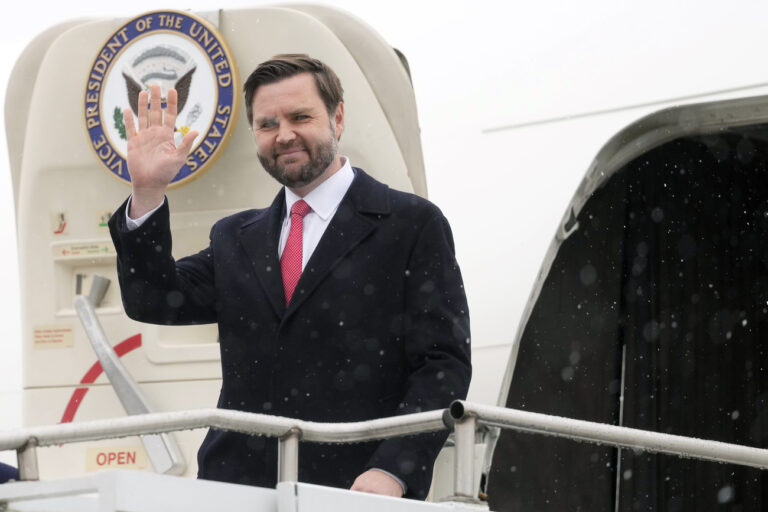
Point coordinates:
[[338, 120]]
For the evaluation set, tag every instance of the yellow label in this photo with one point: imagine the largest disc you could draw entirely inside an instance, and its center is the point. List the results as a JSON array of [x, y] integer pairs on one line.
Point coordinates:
[[54, 336], [115, 457]]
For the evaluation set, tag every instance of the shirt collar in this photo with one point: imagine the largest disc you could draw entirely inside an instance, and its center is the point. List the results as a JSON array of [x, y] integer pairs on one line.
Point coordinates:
[[326, 197]]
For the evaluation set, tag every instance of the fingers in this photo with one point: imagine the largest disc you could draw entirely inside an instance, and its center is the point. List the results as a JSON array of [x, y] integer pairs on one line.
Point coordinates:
[[142, 113], [171, 108], [186, 143], [155, 108], [130, 127], [151, 113]]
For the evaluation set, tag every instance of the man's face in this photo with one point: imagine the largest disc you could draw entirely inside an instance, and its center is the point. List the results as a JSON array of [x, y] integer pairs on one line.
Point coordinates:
[[297, 142]]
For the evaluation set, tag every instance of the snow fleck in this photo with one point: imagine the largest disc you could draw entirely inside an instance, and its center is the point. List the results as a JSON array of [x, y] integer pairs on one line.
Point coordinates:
[[651, 331], [725, 494], [174, 298], [588, 275]]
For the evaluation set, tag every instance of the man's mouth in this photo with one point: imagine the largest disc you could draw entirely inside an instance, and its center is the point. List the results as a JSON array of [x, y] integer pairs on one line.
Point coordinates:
[[289, 153]]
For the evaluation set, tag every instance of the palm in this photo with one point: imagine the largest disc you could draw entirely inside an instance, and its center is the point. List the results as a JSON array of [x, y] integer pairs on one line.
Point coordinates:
[[153, 157]]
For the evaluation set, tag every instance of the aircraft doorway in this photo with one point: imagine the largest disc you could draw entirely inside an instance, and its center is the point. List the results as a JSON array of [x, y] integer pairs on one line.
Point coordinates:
[[653, 314]]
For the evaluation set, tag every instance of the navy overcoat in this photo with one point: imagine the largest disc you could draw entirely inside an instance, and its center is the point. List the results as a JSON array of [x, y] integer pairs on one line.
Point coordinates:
[[378, 326]]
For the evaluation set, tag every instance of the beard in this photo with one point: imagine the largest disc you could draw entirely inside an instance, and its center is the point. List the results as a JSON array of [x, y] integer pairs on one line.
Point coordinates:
[[320, 157]]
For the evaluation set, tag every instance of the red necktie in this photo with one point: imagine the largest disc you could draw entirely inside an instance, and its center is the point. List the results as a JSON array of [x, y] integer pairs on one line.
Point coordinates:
[[290, 263]]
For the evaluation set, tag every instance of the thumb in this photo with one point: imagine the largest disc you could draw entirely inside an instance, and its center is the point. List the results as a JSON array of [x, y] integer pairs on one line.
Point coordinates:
[[186, 143]]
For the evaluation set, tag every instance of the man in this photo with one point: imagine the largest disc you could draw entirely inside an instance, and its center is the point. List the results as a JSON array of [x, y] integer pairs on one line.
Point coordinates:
[[342, 301]]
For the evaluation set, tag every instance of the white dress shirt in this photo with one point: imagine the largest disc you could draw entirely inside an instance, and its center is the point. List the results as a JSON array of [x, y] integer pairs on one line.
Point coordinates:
[[324, 201]]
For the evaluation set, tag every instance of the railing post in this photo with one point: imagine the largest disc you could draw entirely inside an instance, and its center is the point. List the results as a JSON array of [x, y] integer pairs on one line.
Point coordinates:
[[464, 460], [288, 456], [27, 459]]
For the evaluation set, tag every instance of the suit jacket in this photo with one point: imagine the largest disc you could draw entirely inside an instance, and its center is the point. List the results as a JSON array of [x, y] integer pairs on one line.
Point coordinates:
[[378, 325]]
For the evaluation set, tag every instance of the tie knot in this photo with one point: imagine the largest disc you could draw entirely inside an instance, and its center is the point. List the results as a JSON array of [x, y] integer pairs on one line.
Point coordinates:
[[300, 208]]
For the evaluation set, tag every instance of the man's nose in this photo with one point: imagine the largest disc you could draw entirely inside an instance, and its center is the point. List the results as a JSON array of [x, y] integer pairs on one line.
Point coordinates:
[[285, 133]]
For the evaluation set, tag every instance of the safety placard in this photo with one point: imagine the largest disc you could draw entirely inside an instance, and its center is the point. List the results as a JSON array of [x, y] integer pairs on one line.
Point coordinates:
[[59, 223], [83, 249], [104, 219], [115, 457], [53, 336]]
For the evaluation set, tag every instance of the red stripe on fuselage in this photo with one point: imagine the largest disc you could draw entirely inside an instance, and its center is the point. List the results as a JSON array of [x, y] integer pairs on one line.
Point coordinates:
[[92, 374]]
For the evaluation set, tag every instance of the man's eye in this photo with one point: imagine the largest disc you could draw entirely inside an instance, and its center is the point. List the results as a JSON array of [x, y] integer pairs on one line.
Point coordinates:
[[301, 117], [265, 125]]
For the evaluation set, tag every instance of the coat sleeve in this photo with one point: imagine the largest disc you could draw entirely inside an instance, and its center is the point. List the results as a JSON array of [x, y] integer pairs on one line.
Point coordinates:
[[154, 287], [437, 351]]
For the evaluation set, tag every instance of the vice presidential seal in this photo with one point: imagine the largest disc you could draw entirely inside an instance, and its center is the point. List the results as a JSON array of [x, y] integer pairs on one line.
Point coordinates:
[[172, 49]]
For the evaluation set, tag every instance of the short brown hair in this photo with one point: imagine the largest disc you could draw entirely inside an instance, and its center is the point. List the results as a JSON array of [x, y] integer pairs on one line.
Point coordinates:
[[287, 65]]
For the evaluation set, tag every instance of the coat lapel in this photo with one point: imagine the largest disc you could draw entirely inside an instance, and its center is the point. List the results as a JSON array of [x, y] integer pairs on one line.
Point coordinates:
[[355, 220], [259, 238]]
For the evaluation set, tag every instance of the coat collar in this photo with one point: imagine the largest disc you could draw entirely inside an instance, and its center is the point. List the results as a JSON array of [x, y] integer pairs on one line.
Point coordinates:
[[366, 201]]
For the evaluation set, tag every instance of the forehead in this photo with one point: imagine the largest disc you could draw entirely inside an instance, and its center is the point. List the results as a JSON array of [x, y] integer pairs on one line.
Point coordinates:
[[298, 91]]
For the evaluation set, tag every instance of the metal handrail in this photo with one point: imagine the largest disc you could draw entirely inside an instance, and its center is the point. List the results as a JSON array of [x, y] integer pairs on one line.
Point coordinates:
[[465, 417], [578, 430], [224, 419], [288, 431]]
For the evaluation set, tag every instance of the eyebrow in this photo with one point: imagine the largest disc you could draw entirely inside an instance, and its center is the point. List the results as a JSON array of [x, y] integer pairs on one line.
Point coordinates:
[[263, 119], [298, 111], [301, 110]]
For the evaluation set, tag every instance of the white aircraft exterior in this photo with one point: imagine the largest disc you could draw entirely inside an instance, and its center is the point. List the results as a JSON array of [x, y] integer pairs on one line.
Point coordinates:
[[503, 156]]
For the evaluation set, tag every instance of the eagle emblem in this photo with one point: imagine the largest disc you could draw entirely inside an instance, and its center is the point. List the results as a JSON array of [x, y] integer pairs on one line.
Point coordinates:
[[169, 67], [165, 65]]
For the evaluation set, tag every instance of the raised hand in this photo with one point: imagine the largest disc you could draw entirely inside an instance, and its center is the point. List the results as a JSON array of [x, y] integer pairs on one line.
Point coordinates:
[[153, 157]]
